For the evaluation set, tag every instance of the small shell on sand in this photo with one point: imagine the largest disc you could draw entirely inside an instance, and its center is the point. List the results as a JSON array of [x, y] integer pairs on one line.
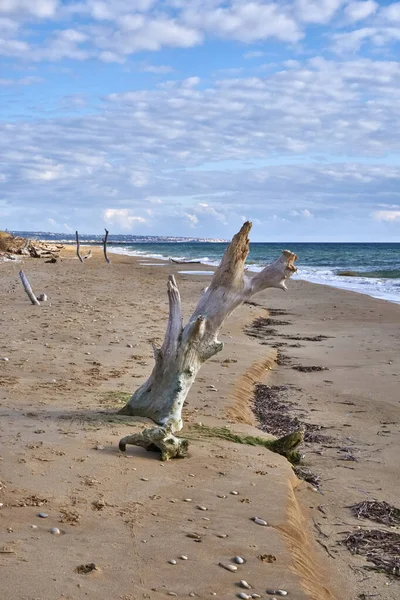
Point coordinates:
[[234, 493], [244, 596], [55, 531], [188, 499], [201, 507], [172, 562], [244, 584], [259, 521], [239, 560], [183, 557], [228, 567]]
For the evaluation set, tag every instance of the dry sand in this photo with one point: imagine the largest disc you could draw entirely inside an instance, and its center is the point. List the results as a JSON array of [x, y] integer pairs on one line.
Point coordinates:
[[69, 361]]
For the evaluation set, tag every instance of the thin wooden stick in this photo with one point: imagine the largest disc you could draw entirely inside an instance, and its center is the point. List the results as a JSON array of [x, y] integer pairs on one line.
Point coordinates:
[[28, 289], [77, 247], [105, 247]]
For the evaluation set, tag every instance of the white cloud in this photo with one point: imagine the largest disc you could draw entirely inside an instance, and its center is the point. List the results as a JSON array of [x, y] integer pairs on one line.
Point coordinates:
[[357, 11], [386, 215], [29, 80], [391, 12], [246, 22], [156, 69], [354, 40], [122, 218], [317, 11], [193, 220], [41, 9]]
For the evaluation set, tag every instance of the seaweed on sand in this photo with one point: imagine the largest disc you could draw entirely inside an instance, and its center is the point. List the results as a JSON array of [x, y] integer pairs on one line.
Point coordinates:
[[381, 512], [272, 409], [382, 548]]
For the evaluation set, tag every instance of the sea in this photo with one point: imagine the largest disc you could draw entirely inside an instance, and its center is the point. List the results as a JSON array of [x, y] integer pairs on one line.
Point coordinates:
[[368, 268]]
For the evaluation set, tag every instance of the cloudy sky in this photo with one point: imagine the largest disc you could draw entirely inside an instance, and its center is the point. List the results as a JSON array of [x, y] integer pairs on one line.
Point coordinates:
[[185, 117]]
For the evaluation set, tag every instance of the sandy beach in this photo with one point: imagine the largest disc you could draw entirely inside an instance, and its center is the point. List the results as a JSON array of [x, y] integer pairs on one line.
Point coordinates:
[[73, 361]]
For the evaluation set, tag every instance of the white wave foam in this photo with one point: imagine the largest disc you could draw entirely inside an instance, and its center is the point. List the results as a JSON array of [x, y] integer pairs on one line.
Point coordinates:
[[384, 289]]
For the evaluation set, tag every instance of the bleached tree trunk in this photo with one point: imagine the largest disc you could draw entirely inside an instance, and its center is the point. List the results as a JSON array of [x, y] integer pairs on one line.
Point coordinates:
[[185, 349]]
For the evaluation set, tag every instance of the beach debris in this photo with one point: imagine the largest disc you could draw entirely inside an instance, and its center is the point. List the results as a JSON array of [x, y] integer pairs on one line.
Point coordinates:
[[272, 408], [184, 350], [228, 567], [55, 531], [105, 246], [28, 289], [239, 560], [259, 521], [11, 245], [312, 369], [43, 515], [381, 512], [243, 583], [382, 548], [309, 476], [86, 569]]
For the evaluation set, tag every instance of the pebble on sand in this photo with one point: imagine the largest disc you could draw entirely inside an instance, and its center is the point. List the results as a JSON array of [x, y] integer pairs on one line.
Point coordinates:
[[259, 521], [244, 584], [244, 596], [228, 567], [239, 560], [183, 557], [201, 507], [277, 592], [55, 531], [172, 562], [43, 515], [234, 493]]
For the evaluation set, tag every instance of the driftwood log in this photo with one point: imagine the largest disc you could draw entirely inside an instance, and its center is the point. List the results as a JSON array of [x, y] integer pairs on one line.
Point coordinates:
[[105, 247], [185, 349], [28, 289], [78, 246]]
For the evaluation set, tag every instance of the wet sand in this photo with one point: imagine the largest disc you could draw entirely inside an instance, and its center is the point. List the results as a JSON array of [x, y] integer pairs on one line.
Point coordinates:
[[72, 362]]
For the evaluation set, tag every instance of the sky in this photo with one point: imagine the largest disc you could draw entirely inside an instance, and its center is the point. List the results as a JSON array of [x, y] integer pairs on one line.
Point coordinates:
[[187, 117]]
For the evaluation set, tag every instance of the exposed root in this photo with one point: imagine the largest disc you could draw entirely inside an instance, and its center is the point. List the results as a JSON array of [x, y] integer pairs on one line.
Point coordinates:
[[286, 446], [158, 439]]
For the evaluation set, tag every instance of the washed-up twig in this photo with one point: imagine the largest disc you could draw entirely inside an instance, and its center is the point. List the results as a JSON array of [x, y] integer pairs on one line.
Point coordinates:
[[318, 528], [325, 547]]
